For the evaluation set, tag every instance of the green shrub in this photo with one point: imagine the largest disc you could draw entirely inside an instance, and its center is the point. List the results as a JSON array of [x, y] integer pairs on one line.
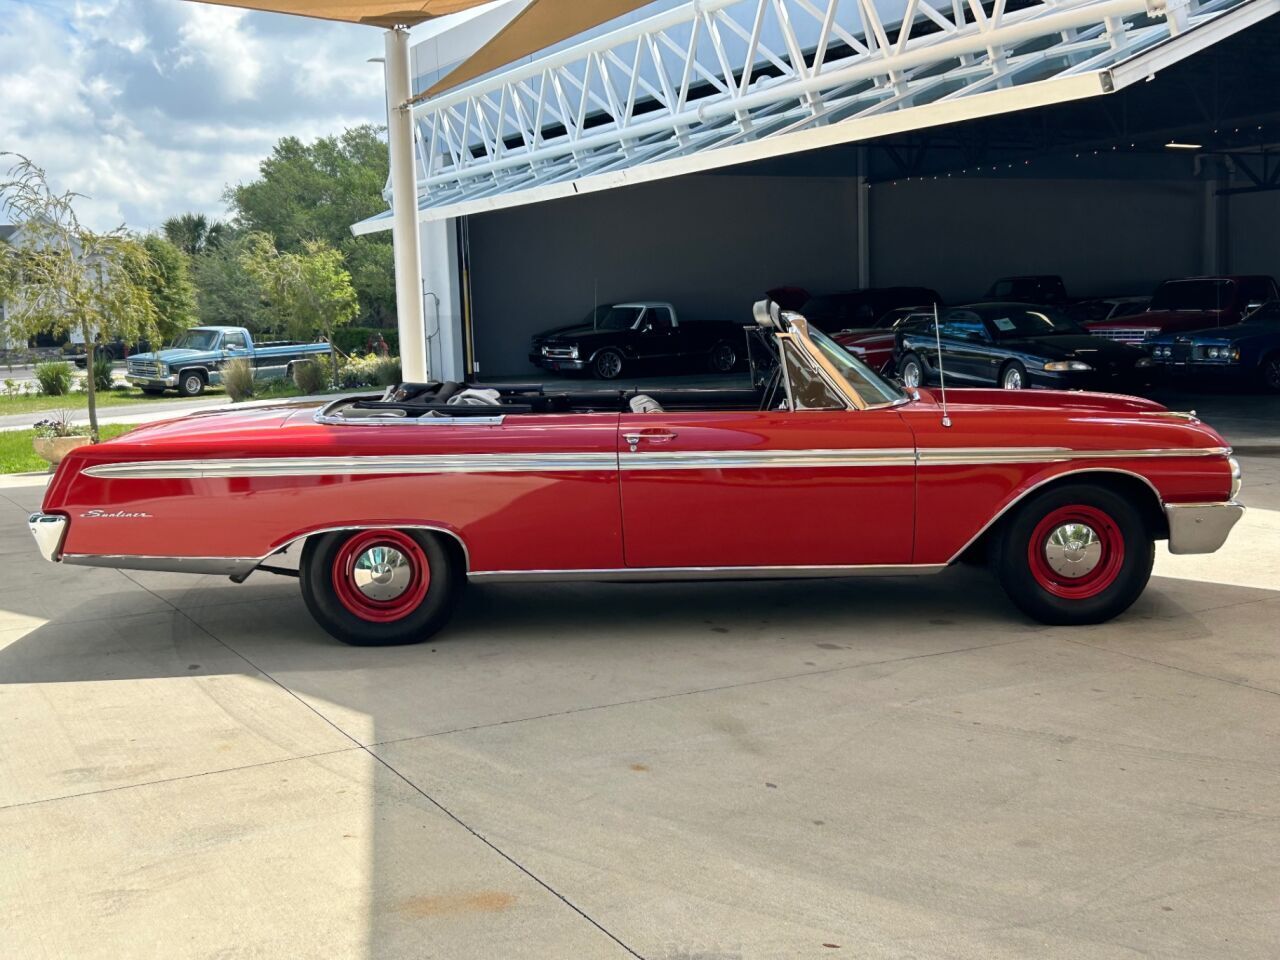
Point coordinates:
[[357, 372], [386, 371], [54, 378], [355, 340], [237, 378], [310, 376], [101, 372]]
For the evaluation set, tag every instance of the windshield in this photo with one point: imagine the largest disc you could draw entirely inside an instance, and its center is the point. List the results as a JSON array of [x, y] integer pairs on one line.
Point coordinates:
[[1012, 324], [197, 340], [612, 318], [1193, 295], [869, 386], [1269, 312]]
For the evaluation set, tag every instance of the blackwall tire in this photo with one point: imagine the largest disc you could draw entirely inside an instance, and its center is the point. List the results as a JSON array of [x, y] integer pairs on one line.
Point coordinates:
[[1075, 554], [911, 370], [607, 365], [191, 383], [340, 584], [1269, 373], [723, 358]]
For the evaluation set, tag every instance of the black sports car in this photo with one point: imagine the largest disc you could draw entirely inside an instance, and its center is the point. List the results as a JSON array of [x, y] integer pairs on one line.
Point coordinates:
[[1014, 346]]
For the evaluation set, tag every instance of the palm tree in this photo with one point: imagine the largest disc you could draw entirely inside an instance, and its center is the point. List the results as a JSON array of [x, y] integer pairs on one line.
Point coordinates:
[[193, 233]]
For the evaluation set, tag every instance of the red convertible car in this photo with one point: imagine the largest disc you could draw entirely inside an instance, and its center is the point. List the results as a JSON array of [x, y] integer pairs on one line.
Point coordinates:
[[820, 469]]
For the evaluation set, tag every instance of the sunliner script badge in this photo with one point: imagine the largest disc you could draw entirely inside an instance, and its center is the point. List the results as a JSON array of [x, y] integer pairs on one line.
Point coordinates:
[[114, 515]]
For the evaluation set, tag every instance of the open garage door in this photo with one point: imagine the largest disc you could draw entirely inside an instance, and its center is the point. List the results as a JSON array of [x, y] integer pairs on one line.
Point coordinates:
[[722, 82]]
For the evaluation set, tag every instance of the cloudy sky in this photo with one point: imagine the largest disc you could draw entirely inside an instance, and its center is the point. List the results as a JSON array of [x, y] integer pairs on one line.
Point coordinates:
[[153, 107]]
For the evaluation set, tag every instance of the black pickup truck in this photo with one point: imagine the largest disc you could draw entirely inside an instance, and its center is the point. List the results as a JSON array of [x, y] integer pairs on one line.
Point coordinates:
[[641, 336]]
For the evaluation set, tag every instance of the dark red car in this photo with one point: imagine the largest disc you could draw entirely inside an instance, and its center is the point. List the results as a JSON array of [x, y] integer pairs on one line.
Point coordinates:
[[874, 346], [1194, 303]]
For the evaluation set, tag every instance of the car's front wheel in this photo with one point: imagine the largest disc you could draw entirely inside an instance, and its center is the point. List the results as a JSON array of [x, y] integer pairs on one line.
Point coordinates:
[[723, 357], [191, 383], [1075, 554], [912, 371], [1013, 376], [1269, 373], [380, 587]]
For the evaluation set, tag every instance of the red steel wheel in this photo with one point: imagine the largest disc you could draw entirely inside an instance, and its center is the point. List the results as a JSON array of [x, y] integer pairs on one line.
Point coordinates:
[[384, 586], [381, 575], [1076, 552]]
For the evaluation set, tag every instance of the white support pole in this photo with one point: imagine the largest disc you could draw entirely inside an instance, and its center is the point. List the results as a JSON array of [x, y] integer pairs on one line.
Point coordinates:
[[415, 367]]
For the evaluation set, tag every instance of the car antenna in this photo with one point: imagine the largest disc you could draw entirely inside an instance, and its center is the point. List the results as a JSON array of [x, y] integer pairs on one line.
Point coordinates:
[[942, 377]]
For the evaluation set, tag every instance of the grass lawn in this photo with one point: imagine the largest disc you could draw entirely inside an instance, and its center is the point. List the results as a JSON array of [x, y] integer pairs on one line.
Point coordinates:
[[33, 403], [16, 455]]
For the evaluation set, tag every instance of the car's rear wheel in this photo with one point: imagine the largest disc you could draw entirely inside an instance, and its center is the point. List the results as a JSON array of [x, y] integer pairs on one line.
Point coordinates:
[[608, 364], [911, 370], [1074, 554], [1013, 376], [723, 357], [380, 587]]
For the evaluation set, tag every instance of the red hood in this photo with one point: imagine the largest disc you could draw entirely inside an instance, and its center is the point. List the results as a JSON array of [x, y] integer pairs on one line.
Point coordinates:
[[1065, 400]]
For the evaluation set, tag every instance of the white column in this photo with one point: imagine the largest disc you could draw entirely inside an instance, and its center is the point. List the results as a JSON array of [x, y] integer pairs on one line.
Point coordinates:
[[404, 207], [443, 299]]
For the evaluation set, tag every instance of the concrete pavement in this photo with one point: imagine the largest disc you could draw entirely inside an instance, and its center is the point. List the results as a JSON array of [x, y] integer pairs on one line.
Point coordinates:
[[875, 769]]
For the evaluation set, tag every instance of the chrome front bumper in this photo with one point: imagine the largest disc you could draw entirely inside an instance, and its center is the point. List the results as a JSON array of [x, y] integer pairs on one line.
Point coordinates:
[[144, 381], [1200, 527], [49, 529]]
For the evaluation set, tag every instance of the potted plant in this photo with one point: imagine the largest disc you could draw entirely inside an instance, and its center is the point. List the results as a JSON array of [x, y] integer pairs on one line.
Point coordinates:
[[56, 436]]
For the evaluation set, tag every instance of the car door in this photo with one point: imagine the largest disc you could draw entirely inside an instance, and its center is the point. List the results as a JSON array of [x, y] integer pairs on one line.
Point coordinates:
[[814, 484], [656, 335], [967, 348]]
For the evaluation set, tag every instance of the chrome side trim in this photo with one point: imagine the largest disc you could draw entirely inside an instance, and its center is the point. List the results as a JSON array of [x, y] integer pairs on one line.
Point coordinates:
[[647, 460], [706, 573], [730, 459], [354, 466], [1200, 527], [50, 530], [1036, 486]]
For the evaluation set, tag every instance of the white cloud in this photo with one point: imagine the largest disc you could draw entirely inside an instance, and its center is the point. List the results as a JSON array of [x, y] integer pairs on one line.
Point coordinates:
[[154, 107]]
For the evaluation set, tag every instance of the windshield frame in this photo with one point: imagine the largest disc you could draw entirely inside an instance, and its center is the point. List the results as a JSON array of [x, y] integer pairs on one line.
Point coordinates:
[[820, 349]]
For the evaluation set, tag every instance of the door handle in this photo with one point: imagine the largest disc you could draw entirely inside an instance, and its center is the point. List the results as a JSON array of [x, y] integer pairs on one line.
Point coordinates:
[[633, 438]]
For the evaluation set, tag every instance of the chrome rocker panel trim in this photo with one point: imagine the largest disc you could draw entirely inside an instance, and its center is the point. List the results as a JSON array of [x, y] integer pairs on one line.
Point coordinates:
[[623, 575], [1200, 527]]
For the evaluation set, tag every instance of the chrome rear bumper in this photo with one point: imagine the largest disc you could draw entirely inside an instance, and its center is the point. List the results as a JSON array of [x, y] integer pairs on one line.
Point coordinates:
[[1200, 527], [49, 529]]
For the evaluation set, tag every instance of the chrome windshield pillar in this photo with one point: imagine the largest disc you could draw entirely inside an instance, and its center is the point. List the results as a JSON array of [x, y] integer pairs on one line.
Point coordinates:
[[49, 529]]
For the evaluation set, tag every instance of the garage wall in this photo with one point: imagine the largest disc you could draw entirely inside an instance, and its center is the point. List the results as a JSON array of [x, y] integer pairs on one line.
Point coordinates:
[[1101, 236], [1254, 229], [709, 244]]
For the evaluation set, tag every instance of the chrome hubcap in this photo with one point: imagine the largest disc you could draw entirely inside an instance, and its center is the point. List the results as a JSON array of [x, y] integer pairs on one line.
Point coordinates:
[[911, 375], [382, 573], [1013, 380], [1073, 550]]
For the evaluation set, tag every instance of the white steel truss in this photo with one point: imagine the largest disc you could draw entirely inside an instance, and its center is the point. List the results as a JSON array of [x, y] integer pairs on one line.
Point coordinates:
[[718, 82]]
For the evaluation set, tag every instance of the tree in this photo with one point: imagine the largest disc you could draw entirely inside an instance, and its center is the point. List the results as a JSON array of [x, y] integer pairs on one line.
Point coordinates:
[[169, 284], [66, 277], [307, 293], [193, 233], [226, 293], [315, 191]]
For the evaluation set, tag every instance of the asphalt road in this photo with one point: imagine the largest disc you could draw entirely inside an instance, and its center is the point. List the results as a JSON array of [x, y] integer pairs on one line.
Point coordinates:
[[881, 769]]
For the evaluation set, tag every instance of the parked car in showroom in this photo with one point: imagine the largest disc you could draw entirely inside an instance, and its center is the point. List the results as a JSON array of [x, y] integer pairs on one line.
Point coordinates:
[[1098, 309], [1038, 288], [874, 347], [1180, 306], [1246, 353], [1015, 346], [858, 310], [197, 358], [820, 468], [642, 336]]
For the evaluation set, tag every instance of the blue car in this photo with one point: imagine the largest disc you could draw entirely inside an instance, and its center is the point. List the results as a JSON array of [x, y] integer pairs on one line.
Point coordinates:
[[1247, 352]]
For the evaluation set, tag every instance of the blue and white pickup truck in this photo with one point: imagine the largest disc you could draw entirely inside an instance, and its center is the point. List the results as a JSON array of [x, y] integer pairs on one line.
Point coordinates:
[[195, 360]]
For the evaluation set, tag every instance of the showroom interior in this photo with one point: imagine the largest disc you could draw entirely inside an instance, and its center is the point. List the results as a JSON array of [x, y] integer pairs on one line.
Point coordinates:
[[1171, 177]]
